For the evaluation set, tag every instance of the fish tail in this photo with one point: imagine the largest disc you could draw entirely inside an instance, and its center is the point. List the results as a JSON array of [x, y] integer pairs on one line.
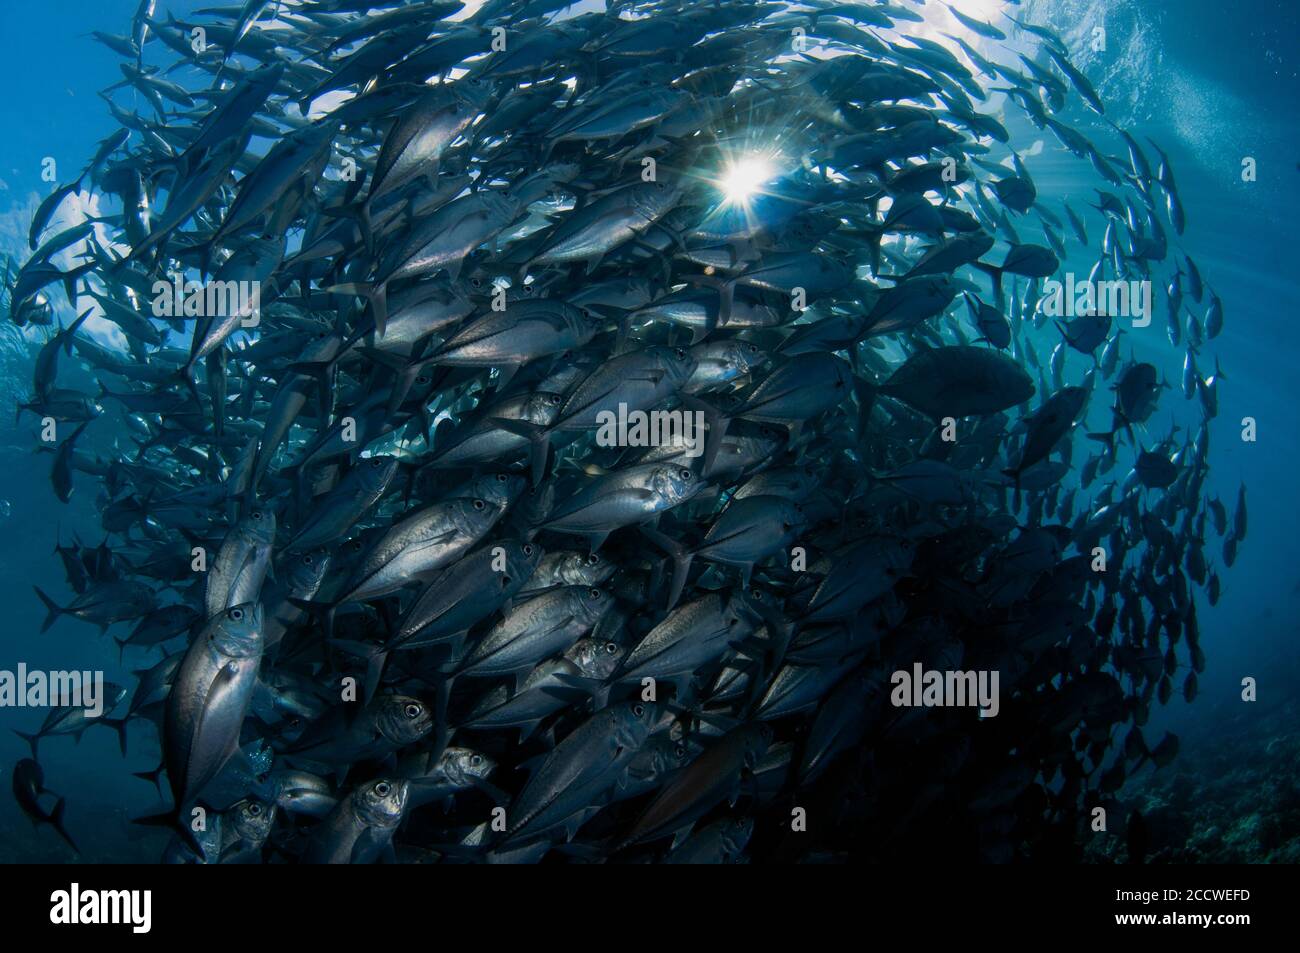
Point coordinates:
[[323, 611], [681, 558], [866, 393], [1106, 437], [70, 279], [67, 335], [376, 294], [32, 741], [56, 821], [726, 294], [185, 375], [726, 300], [538, 437], [153, 777], [873, 240], [118, 725], [376, 657], [995, 277], [716, 424], [52, 610], [172, 820], [367, 228]]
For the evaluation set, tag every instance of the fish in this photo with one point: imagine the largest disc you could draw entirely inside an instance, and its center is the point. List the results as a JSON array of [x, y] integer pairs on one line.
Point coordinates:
[[73, 719], [207, 704], [28, 787], [360, 828]]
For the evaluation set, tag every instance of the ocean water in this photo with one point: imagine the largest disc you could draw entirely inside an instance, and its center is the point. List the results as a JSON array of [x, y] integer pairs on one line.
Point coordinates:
[[1214, 84]]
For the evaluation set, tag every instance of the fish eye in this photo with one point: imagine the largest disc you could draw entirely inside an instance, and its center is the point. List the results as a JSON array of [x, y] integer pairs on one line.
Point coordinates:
[[505, 582], [501, 478], [383, 788], [412, 710], [528, 549], [479, 504], [476, 760], [684, 474], [593, 593], [476, 282], [307, 560], [679, 354], [376, 463], [732, 621], [592, 559], [611, 647], [422, 379], [236, 615], [256, 515], [639, 710], [680, 751]]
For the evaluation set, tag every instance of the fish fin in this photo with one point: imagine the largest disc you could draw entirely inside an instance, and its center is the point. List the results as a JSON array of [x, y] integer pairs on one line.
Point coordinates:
[[538, 437], [56, 821], [531, 765], [52, 610], [118, 725], [323, 611], [153, 777], [376, 294], [716, 423], [681, 836], [505, 374], [66, 335], [32, 741], [1104, 437], [375, 663], [172, 819], [528, 728]]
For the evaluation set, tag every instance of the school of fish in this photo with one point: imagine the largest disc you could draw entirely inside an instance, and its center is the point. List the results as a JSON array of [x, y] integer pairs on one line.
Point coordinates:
[[388, 590]]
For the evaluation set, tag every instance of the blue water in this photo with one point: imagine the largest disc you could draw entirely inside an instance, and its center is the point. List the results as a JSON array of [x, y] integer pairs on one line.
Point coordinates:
[[1213, 83]]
